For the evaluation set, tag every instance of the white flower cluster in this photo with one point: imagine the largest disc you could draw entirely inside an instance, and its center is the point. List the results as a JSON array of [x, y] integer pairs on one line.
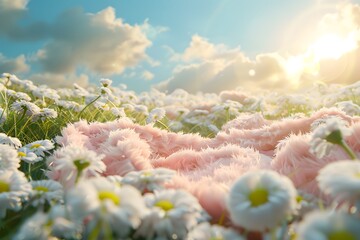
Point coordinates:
[[66, 191]]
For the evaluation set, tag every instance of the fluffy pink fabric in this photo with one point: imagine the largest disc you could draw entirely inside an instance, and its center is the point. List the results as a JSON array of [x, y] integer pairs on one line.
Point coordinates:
[[246, 122], [234, 96], [266, 137], [354, 139], [208, 167], [209, 173], [293, 159], [125, 152], [161, 142]]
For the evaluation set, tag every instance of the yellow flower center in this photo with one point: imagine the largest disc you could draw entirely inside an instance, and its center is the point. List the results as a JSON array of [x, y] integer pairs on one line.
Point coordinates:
[[21, 154], [299, 199], [41, 189], [36, 145], [357, 175], [4, 187], [258, 197], [341, 235], [103, 195], [165, 205], [147, 174]]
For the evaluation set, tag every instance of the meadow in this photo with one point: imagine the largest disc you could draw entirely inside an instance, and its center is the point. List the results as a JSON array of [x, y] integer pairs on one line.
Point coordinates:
[[103, 162]]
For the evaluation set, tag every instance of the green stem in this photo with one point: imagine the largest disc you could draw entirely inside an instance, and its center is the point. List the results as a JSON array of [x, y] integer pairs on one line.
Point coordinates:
[[348, 150], [222, 218], [273, 234], [107, 231], [29, 171], [26, 123], [16, 123], [163, 124], [80, 113], [95, 231]]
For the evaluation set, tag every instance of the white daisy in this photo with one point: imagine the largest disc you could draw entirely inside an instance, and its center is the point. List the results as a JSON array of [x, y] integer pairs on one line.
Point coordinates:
[[141, 109], [349, 107], [106, 92], [172, 215], [23, 106], [10, 93], [155, 115], [13, 188], [80, 91], [12, 141], [325, 135], [176, 126], [261, 200], [40, 147], [22, 96], [52, 225], [306, 203], [35, 227], [105, 82], [45, 113], [120, 207], [70, 105], [102, 104], [341, 180], [117, 179], [6, 75], [205, 231], [70, 163], [329, 225], [44, 91], [118, 112], [8, 158], [46, 191], [149, 180], [25, 154], [61, 226]]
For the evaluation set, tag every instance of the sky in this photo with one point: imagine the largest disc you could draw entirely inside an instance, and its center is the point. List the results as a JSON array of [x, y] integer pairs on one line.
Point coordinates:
[[202, 45]]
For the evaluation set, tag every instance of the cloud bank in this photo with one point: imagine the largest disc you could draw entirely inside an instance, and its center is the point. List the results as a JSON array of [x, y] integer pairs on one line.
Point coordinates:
[[99, 43], [13, 65], [208, 67]]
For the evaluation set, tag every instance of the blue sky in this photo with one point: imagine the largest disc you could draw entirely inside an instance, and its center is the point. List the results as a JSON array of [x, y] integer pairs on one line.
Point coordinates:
[[237, 28]]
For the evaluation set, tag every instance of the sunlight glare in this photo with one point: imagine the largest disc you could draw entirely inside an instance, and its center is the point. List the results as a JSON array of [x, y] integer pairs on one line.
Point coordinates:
[[331, 46]]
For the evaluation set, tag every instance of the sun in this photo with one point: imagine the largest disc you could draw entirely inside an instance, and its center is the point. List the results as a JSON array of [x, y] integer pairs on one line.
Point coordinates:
[[332, 46], [327, 47]]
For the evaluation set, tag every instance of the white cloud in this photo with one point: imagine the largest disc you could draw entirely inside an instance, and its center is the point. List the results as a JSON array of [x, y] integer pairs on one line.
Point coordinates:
[[201, 49], [17, 65], [152, 31], [221, 68], [100, 42], [212, 67], [13, 4], [147, 75], [345, 20], [10, 12]]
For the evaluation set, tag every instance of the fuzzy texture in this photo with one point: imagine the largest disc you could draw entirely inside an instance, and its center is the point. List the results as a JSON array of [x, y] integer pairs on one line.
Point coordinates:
[[294, 160], [207, 174], [267, 135], [208, 167]]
